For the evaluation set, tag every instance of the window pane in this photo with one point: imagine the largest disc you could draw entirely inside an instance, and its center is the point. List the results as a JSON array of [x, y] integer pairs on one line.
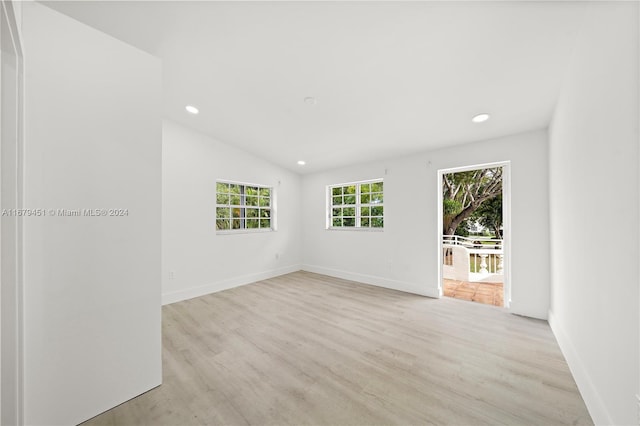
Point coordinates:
[[242, 206], [222, 198], [359, 204], [376, 198], [222, 187]]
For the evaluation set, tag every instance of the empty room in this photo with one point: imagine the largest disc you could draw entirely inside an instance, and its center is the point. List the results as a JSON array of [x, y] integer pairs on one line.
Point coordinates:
[[320, 213]]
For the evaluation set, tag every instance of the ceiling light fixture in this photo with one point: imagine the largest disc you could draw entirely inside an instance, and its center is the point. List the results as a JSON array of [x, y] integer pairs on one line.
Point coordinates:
[[301, 163], [480, 118], [191, 109], [310, 100]]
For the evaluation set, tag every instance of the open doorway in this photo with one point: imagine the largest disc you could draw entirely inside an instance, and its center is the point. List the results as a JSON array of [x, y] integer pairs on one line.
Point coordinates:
[[474, 233]]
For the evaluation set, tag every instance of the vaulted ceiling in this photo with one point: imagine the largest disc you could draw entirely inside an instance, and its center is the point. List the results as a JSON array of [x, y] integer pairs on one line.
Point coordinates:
[[388, 78]]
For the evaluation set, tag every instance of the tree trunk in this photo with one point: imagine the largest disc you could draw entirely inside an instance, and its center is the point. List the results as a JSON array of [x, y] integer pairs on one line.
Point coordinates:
[[496, 231], [457, 219]]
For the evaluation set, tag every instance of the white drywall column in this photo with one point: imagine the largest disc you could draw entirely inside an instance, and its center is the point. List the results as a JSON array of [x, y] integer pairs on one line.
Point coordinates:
[[92, 284], [11, 121], [594, 213]]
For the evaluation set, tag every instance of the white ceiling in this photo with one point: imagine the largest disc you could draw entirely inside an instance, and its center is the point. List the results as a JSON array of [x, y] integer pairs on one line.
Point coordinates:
[[390, 78]]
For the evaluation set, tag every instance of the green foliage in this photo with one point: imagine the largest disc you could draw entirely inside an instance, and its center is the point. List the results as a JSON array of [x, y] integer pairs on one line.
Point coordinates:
[[489, 215], [377, 186], [463, 229], [450, 206]]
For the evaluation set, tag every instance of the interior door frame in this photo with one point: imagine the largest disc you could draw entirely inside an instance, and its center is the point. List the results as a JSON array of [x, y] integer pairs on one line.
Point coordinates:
[[506, 218], [11, 181]]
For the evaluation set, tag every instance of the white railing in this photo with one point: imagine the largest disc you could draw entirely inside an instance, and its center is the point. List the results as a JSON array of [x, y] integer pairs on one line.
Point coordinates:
[[472, 259], [472, 242]]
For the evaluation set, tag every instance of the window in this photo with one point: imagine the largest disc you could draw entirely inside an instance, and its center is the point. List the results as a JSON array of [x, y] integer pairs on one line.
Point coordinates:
[[244, 207], [356, 205]]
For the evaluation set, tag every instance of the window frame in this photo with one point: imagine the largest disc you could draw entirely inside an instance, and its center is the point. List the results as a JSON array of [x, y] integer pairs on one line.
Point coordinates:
[[243, 207], [357, 206]]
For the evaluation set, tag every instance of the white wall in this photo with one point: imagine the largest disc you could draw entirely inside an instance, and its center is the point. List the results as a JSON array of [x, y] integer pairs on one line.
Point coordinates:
[[594, 213], [201, 260], [92, 284], [404, 256]]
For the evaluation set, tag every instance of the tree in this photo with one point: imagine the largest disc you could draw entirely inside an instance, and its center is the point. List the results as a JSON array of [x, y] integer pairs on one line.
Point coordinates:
[[464, 192], [489, 215]]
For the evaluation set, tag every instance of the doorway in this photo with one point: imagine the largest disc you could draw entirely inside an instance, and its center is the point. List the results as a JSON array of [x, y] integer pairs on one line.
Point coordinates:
[[474, 218]]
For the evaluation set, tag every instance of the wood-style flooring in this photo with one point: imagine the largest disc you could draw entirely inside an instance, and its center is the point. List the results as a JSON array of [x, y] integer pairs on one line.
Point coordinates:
[[307, 349]]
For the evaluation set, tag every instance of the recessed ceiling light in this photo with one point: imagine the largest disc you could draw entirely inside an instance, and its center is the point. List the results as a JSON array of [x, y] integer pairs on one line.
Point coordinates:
[[480, 118], [310, 100], [301, 163], [191, 109]]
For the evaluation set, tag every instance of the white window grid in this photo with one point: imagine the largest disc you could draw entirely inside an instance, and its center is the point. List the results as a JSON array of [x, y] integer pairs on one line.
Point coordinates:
[[244, 207], [356, 205]]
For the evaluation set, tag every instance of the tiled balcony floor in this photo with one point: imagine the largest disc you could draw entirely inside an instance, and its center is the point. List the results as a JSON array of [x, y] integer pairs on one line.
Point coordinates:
[[487, 293]]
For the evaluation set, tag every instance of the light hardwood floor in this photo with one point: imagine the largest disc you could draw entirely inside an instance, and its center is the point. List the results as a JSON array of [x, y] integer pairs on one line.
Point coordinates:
[[309, 349]]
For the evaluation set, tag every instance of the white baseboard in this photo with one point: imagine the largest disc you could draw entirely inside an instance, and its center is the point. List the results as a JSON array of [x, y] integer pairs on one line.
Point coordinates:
[[190, 293], [525, 311], [597, 409], [373, 280]]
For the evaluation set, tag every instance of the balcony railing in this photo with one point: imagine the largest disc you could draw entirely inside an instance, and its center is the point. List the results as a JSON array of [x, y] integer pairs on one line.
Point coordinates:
[[475, 259]]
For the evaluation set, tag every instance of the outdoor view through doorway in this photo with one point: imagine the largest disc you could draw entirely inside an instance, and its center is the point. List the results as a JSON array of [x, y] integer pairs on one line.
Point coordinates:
[[473, 234]]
